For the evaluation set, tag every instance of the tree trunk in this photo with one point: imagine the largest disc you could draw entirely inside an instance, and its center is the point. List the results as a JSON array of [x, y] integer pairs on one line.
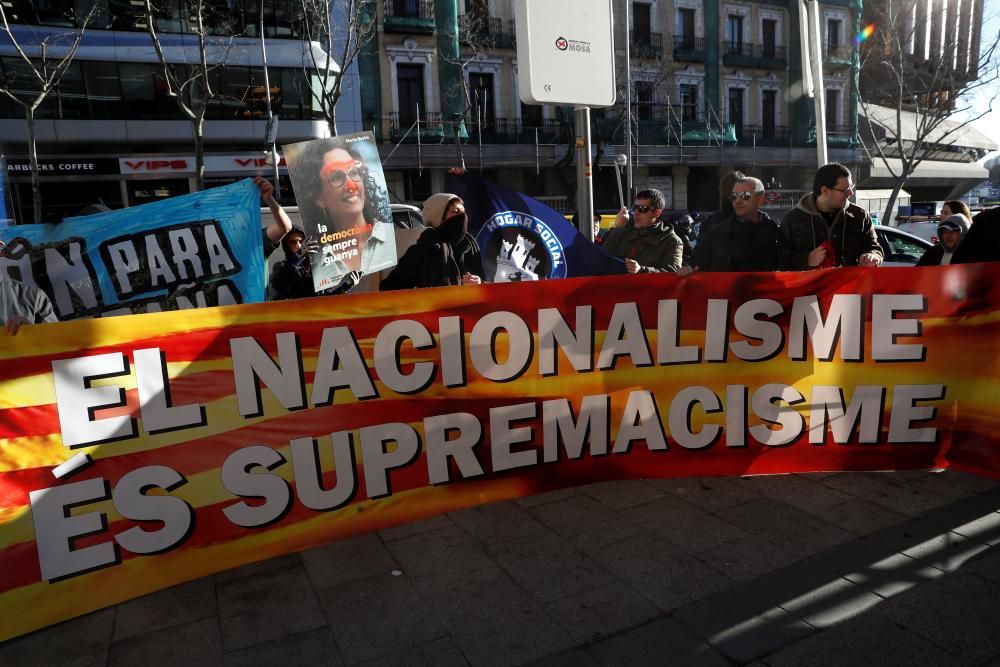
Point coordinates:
[[331, 122], [36, 186], [886, 219]]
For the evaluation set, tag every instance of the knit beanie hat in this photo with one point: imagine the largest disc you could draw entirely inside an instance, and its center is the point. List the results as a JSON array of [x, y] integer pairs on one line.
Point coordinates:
[[435, 206]]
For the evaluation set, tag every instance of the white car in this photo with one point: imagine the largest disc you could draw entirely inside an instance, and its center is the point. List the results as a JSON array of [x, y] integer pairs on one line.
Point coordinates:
[[925, 229], [901, 248]]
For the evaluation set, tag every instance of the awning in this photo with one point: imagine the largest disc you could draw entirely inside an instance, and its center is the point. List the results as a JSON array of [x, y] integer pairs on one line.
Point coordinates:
[[931, 169], [963, 136]]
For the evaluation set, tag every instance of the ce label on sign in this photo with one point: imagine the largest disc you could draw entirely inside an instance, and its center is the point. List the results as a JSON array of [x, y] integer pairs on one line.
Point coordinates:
[[548, 87]]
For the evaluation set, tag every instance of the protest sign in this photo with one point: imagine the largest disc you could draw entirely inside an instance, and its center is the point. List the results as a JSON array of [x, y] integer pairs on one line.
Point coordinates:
[[151, 450], [521, 238], [344, 205], [196, 250]]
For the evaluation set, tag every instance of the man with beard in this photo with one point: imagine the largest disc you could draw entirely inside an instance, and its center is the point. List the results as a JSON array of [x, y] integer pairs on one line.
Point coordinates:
[[825, 229], [747, 241], [445, 254]]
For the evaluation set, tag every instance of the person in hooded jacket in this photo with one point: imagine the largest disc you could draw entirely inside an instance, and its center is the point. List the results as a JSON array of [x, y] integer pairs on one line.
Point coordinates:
[[291, 278], [981, 243], [445, 254], [647, 244], [825, 229], [950, 231]]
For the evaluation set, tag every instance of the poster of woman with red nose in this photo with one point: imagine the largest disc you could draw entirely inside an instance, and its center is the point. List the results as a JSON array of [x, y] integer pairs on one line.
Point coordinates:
[[344, 205]]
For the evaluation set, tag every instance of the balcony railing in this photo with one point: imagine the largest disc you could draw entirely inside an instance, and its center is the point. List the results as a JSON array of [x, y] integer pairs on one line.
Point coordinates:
[[839, 55], [754, 55], [409, 16], [646, 45], [427, 123], [410, 9], [764, 135], [689, 48], [741, 49], [486, 31]]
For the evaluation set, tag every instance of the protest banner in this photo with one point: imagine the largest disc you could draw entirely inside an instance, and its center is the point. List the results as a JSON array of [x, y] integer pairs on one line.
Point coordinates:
[[151, 450], [196, 250], [523, 239], [344, 205]]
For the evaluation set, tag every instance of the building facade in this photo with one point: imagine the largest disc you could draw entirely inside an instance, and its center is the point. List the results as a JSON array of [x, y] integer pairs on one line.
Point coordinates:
[[716, 85], [111, 133]]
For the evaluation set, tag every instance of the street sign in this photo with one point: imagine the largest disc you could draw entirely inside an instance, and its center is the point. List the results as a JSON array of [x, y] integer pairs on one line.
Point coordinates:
[[566, 52], [773, 196]]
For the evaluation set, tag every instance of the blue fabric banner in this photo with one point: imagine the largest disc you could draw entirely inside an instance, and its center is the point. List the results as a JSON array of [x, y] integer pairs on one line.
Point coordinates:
[[196, 250], [523, 239]]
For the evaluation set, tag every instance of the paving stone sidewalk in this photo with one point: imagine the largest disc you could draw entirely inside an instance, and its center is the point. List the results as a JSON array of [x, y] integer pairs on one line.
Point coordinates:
[[832, 569]]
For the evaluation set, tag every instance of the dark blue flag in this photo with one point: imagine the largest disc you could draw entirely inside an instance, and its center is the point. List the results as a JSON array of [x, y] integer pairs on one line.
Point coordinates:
[[521, 238]]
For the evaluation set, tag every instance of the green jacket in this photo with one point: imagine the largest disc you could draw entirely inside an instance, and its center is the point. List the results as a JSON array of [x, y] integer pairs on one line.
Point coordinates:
[[851, 235], [656, 249]]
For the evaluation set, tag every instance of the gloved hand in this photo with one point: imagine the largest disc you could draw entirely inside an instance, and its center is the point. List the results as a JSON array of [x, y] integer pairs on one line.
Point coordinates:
[[310, 246], [348, 283]]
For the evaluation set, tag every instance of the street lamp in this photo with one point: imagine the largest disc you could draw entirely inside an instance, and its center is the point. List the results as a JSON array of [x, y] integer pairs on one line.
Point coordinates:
[[620, 161]]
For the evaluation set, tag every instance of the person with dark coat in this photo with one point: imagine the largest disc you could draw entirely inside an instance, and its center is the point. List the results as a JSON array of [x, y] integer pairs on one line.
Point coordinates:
[[292, 278], [950, 232], [982, 242], [445, 254], [647, 244], [725, 207], [748, 241], [825, 229]]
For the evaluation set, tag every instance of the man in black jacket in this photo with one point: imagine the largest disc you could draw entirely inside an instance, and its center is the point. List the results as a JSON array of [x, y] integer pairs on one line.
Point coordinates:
[[950, 233], [748, 241]]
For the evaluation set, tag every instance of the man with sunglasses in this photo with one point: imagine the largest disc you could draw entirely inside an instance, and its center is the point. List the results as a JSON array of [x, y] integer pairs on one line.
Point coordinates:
[[747, 241], [647, 244], [21, 303], [825, 229]]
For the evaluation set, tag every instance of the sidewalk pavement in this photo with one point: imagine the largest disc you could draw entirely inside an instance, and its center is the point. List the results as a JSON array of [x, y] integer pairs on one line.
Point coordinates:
[[830, 569]]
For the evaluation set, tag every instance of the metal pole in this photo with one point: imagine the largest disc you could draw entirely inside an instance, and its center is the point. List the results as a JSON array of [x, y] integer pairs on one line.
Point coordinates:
[[270, 115], [819, 99], [628, 104], [584, 175]]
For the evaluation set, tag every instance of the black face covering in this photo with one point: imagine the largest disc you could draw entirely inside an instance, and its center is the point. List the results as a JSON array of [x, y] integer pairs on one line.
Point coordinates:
[[453, 229]]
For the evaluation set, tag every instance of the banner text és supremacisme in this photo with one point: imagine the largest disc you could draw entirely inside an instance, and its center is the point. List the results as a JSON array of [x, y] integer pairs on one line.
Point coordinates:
[[247, 472]]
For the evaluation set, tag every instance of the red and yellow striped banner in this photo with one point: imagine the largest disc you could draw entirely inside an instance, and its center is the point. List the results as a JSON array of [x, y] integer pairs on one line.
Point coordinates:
[[223, 436]]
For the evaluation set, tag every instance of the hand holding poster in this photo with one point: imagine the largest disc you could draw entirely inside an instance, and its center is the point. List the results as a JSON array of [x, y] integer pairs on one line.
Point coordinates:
[[344, 205]]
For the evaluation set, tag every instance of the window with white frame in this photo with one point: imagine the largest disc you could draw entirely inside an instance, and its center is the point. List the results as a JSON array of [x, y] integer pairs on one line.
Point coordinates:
[[689, 25], [410, 69], [482, 77], [737, 20], [689, 86], [737, 95], [835, 22], [771, 105], [771, 33], [835, 100]]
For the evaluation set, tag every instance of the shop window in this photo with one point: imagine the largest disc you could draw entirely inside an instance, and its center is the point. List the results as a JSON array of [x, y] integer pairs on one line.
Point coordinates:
[[104, 92]]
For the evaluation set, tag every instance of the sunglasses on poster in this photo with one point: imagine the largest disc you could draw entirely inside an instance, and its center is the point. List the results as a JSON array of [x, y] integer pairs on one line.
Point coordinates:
[[337, 177], [745, 196]]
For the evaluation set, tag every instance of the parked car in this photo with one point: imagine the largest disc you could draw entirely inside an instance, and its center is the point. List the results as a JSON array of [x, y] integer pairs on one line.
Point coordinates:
[[925, 229], [901, 248], [406, 216]]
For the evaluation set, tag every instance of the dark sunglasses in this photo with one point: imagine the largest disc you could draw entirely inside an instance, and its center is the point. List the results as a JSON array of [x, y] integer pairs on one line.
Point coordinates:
[[641, 208], [745, 196]]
